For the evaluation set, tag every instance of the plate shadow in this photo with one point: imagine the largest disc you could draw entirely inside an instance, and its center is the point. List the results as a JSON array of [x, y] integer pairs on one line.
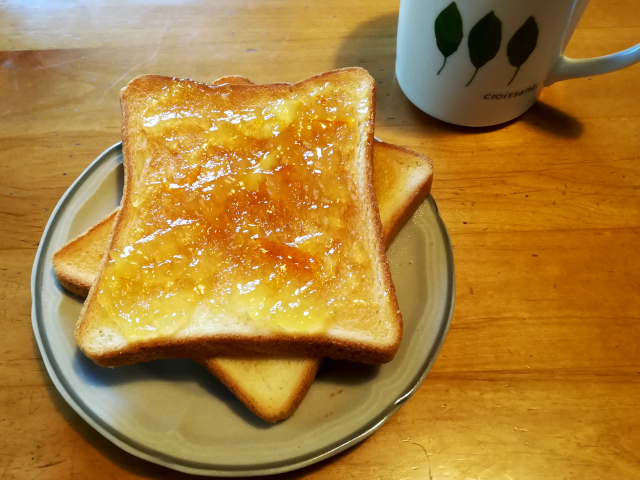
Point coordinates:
[[175, 371]]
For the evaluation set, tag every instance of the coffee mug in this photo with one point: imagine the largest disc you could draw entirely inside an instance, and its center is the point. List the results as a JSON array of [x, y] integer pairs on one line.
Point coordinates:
[[484, 62]]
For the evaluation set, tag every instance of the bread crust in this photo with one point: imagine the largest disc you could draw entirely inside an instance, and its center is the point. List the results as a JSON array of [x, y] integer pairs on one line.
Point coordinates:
[[411, 202], [68, 276], [210, 345], [232, 80]]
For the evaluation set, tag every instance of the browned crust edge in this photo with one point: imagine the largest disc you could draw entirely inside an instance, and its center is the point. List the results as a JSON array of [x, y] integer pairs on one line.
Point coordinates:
[[402, 215], [230, 345], [117, 227], [75, 285], [373, 212], [306, 380], [232, 80], [303, 345]]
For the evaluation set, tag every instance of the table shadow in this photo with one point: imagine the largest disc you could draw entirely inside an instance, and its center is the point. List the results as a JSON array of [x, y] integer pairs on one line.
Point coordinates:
[[552, 120], [372, 45]]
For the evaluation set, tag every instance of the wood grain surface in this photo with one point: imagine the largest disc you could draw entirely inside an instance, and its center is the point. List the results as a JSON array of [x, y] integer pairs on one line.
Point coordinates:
[[540, 373]]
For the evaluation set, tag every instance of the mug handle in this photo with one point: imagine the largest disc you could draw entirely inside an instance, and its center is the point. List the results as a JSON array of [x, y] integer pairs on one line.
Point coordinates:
[[567, 68]]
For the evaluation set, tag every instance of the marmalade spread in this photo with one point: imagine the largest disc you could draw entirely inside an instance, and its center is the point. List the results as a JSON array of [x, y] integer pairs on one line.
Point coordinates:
[[243, 211]]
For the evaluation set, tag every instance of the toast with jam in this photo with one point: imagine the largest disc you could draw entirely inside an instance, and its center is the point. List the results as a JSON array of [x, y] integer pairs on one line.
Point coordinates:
[[248, 221]]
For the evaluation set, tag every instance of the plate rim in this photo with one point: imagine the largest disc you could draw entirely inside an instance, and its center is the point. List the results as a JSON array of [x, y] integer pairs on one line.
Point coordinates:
[[282, 466]]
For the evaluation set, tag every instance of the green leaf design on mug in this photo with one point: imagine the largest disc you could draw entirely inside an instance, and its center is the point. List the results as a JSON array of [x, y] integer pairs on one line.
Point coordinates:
[[522, 44], [484, 41], [448, 30]]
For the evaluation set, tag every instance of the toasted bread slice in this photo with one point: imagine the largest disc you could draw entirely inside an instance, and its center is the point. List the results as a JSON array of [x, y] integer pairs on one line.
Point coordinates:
[[270, 386], [350, 311]]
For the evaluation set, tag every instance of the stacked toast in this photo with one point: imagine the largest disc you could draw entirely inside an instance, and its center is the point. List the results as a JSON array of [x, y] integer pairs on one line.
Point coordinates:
[[251, 234]]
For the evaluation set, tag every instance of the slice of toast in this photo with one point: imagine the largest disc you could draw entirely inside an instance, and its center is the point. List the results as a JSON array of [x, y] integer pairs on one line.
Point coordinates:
[[272, 387], [309, 149]]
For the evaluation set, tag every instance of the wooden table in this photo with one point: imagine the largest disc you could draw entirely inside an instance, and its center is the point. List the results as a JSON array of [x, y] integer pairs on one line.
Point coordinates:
[[540, 374]]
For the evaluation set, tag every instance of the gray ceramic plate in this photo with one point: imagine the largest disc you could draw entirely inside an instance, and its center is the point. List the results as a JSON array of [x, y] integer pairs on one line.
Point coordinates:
[[175, 414]]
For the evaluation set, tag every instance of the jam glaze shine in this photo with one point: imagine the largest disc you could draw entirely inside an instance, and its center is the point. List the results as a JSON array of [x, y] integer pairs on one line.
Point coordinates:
[[246, 211]]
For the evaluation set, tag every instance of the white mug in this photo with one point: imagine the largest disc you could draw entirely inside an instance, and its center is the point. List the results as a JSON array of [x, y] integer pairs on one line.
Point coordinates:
[[484, 62]]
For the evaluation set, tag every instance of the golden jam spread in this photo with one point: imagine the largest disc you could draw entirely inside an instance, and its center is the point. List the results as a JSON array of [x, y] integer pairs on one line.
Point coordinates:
[[243, 213]]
